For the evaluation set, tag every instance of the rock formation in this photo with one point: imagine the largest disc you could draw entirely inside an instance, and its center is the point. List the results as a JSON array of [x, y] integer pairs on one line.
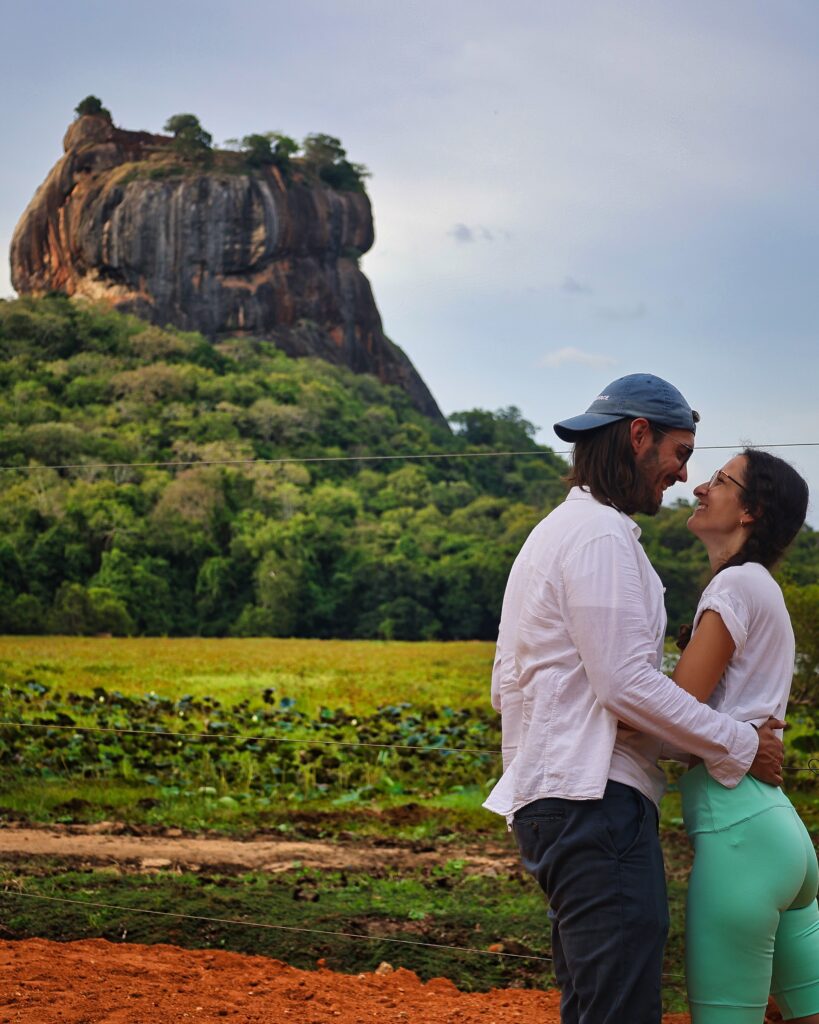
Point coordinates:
[[219, 251]]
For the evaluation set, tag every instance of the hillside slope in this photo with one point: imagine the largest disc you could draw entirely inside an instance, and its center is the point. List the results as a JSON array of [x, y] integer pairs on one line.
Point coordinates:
[[220, 544]]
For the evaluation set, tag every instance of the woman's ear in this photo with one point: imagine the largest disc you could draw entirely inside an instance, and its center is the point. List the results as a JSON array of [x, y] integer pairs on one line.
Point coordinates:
[[747, 518]]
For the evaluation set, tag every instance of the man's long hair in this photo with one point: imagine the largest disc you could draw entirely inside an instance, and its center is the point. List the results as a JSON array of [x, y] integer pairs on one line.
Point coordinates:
[[603, 463]]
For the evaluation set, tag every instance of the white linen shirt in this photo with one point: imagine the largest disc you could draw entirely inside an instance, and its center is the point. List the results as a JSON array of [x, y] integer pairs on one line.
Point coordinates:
[[579, 651]]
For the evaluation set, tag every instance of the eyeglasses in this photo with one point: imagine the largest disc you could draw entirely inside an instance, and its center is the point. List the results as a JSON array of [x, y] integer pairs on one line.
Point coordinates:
[[716, 479], [689, 451]]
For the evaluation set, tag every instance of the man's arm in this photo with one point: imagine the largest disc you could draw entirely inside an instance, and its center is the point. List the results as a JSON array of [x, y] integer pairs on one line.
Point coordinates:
[[606, 613], [507, 698]]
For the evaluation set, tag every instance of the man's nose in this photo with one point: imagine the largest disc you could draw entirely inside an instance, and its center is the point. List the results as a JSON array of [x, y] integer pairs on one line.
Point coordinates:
[[682, 473]]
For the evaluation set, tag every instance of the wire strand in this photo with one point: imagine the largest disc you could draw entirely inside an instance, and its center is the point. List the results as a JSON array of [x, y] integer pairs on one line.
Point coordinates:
[[274, 927], [293, 928], [353, 458], [244, 736], [812, 765]]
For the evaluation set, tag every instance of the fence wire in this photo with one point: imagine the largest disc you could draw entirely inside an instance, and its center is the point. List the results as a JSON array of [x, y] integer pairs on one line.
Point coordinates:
[[325, 933], [175, 463], [811, 766]]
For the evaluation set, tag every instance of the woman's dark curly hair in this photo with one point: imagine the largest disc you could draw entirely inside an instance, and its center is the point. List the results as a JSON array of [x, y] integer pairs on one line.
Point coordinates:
[[777, 496]]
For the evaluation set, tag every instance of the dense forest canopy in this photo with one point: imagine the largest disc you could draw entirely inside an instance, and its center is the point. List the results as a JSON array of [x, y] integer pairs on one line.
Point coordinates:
[[395, 548]]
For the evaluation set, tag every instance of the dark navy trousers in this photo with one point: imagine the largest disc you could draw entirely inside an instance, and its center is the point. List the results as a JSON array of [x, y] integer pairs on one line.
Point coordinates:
[[600, 864]]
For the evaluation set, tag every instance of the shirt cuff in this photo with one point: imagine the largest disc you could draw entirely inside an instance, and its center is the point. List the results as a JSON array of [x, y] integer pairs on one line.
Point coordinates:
[[730, 770]]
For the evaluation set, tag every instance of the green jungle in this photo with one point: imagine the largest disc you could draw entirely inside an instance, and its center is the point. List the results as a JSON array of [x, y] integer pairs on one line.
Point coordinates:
[[227, 544]]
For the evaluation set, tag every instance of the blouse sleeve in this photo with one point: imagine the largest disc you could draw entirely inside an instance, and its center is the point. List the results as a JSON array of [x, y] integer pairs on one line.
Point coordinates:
[[726, 596]]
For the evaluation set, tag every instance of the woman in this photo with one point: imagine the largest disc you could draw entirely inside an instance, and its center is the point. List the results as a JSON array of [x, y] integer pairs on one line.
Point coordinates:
[[752, 918]]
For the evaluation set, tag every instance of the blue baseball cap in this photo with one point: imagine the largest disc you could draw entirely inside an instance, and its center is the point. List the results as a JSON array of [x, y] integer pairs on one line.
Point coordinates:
[[638, 394]]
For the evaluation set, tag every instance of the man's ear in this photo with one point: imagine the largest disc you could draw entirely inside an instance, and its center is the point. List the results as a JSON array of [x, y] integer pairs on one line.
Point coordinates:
[[642, 436]]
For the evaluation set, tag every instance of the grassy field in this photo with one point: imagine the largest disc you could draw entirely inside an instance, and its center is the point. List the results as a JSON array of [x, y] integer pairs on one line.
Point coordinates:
[[246, 734], [358, 676]]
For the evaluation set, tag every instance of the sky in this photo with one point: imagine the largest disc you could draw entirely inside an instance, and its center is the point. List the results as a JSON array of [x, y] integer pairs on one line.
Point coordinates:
[[564, 192]]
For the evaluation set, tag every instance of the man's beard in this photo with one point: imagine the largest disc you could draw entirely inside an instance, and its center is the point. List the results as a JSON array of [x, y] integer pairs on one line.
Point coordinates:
[[645, 496]]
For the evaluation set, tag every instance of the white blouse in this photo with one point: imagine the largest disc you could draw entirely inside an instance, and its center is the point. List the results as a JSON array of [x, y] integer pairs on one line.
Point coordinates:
[[757, 681]]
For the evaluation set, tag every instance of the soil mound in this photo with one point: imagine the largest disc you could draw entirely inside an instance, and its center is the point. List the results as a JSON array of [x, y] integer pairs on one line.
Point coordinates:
[[98, 982]]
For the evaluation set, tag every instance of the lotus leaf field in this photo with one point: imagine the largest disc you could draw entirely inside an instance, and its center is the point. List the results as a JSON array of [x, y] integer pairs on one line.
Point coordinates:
[[73, 749]]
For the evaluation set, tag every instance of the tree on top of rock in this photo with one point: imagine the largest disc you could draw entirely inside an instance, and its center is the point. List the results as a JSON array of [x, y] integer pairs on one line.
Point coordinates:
[[92, 105], [260, 151], [190, 140], [257, 149], [327, 157]]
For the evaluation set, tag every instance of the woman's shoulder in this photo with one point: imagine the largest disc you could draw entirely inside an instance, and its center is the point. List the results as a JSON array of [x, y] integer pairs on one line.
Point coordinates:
[[749, 574], [750, 583]]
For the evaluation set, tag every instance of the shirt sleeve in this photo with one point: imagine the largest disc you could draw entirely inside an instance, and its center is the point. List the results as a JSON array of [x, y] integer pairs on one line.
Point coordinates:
[[605, 609], [725, 596], [507, 699]]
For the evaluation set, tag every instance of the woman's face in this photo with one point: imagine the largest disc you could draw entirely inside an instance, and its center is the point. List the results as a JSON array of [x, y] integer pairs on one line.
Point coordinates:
[[721, 503]]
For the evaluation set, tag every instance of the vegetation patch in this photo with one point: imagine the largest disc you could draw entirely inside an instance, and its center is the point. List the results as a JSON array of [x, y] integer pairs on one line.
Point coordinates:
[[249, 535], [194, 762], [443, 905]]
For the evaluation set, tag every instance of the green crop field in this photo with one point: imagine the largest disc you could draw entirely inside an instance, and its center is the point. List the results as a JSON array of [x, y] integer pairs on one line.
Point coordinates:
[[356, 675], [245, 734]]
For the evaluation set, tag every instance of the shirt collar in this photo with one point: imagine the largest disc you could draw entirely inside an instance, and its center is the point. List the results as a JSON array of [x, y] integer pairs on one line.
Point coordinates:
[[581, 494]]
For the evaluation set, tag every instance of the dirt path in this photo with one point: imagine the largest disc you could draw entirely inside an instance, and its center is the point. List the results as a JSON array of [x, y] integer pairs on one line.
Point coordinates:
[[98, 982], [106, 844]]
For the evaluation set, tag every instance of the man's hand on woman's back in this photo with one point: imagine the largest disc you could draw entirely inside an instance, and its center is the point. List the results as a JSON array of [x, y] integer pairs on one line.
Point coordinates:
[[767, 765]]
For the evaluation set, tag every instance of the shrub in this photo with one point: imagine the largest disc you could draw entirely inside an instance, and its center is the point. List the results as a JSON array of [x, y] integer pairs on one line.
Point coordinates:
[[92, 105]]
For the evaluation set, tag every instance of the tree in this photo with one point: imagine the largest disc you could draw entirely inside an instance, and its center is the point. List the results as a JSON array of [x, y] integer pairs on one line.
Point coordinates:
[[803, 606], [190, 140], [285, 149], [269, 149], [257, 149], [92, 106], [320, 149], [325, 155]]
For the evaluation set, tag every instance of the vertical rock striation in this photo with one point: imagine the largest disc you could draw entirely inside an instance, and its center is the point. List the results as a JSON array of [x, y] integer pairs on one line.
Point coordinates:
[[221, 251]]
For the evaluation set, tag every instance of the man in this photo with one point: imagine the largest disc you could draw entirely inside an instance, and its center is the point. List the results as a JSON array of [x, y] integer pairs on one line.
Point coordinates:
[[577, 681]]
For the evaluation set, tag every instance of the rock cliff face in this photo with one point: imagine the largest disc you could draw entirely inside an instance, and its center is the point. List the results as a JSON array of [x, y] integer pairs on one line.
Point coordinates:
[[213, 251]]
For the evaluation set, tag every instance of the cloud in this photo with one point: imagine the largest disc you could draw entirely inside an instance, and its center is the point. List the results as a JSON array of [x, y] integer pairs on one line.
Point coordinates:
[[564, 356], [466, 235], [571, 284], [461, 233], [622, 313]]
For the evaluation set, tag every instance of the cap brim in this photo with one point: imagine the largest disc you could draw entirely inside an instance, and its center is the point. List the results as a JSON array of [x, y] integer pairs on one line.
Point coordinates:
[[575, 427]]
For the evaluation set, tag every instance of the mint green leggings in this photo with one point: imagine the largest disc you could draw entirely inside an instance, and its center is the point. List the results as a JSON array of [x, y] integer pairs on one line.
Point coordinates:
[[752, 925]]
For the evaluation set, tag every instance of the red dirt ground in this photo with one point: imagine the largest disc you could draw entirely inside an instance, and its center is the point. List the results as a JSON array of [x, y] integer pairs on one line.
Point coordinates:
[[98, 982]]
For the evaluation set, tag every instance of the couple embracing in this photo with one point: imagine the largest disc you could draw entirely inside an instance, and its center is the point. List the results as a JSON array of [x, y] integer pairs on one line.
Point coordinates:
[[587, 714]]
